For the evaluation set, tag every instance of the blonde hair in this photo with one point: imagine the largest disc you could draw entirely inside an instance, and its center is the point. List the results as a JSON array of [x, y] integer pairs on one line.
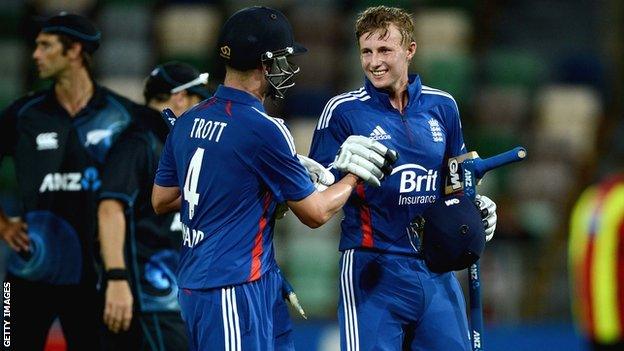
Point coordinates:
[[380, 17]]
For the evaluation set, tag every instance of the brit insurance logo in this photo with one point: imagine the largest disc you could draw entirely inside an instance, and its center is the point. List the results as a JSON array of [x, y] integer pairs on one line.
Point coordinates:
[[379, 134], [418, 184], [88, 180]]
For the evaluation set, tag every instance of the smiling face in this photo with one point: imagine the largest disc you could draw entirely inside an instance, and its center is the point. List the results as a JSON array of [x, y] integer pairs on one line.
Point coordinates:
[[385, 60]]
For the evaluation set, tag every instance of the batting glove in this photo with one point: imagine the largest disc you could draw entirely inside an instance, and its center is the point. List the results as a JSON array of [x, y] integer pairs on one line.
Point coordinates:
[[366, 158], [319, 175], [488, 213], [288, 293]]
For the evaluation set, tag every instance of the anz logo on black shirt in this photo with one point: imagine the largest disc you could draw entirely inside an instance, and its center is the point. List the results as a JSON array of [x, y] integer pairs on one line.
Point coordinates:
[[88, 180]]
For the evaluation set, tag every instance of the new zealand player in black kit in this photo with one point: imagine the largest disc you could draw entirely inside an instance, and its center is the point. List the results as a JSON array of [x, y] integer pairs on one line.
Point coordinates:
[[139, 248], [59, 138]]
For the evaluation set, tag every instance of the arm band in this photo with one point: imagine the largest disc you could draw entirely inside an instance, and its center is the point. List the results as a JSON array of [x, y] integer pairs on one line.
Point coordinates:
[[116, 274]]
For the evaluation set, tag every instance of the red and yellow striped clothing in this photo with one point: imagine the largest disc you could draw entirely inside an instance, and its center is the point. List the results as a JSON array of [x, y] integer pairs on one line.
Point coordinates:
[[596, 261]]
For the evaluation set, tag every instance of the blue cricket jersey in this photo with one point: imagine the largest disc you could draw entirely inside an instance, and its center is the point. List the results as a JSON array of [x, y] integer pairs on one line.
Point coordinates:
[[233, 164], [425, 135]]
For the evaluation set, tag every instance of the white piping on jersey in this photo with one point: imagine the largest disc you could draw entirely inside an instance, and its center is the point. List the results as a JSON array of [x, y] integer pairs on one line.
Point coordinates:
[[331, 105], [352, 337], [231, 326], [280, 125], [429, 90]]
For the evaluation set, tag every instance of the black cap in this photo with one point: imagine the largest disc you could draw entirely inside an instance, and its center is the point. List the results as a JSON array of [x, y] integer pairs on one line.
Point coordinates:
[[76, 27], [172, 77], [253, 31], [453, 235]]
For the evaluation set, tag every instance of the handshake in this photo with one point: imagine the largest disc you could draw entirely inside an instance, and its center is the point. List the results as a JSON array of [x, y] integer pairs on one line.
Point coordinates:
[[366, 158]]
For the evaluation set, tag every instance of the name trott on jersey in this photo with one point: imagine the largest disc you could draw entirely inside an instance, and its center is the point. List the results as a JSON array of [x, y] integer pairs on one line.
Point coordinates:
[[207, 129]]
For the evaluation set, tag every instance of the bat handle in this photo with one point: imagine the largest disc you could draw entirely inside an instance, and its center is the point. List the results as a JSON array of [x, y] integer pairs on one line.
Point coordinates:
[[482, 166]]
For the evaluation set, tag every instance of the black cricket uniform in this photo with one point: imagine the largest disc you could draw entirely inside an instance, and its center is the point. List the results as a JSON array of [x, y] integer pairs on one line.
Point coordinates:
[[152, 241], [58, 159]]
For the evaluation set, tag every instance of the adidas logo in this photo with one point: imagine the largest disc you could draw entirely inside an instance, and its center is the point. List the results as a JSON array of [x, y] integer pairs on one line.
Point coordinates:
[[379, 134]]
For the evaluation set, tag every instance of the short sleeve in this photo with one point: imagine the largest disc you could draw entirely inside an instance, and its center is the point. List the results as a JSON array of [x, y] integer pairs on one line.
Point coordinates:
[[125, 169], [167, 175], [278, 166]]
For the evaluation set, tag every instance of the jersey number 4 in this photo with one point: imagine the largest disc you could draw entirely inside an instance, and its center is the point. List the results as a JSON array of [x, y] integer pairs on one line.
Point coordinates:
[[192, 178]]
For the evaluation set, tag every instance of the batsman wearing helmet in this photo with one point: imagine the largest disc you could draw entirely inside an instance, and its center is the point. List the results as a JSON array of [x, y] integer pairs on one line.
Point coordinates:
[[397, 291], [227, 165]]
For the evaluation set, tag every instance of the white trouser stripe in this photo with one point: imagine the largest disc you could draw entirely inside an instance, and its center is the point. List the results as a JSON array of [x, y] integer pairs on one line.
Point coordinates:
[[231, 325], [345, 307], [226, 331], [236, 324], [353, 304], [231, 320], [348, 300]]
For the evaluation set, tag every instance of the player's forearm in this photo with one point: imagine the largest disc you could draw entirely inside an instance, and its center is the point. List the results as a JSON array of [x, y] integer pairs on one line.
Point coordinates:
[[166, 199], [335, 196], [112, 231], [318, 208]]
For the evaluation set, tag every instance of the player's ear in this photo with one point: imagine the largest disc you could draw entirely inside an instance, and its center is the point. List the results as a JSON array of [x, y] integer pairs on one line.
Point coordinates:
[[74, 50], [411, 50]]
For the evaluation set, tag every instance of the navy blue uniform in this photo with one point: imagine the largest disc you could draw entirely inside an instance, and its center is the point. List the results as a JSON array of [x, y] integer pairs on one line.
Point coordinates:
[[388, 296], [233, 164], [58, 160], [152, 242]]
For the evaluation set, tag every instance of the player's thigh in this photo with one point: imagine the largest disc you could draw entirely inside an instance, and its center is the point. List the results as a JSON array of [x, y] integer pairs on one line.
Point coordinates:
[[282, 327], [443, 325], [268, 323], [234, 318], [204, 317], [368, 309]]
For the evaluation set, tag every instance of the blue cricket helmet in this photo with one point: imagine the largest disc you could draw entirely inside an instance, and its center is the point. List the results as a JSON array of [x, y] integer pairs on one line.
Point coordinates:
[[252, 32], [452, 235]]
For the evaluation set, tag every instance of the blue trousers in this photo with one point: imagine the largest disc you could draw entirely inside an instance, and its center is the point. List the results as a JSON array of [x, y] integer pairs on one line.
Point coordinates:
[[249, 317], [393, 302]]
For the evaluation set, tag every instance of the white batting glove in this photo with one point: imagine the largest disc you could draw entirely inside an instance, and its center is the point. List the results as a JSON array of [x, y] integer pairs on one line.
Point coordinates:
[[319, 175], [487, 207], [366, 158]]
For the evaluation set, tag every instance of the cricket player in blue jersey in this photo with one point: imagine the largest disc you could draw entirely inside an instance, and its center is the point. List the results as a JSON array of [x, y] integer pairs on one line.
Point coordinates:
[[390, 299], [227, 165]]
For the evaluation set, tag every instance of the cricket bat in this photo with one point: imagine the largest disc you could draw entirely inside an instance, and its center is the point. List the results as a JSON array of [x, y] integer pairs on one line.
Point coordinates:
[[464, 171]]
